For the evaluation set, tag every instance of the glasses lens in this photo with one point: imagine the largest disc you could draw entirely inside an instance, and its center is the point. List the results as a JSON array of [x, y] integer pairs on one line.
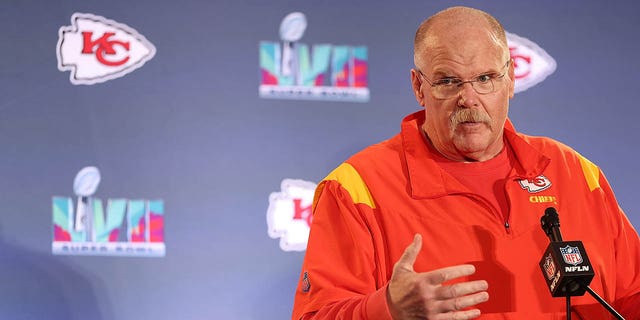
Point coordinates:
[[483, 87], [447, 91]]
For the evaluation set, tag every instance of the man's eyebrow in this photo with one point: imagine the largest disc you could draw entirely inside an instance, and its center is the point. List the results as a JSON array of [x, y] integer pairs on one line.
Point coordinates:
[[444, 73], [490, 72]]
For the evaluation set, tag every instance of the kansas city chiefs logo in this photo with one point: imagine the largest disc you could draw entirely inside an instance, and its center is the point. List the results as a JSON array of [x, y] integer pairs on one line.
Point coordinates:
[[532, 64], [289, 214], [536, 184], [96, 49]]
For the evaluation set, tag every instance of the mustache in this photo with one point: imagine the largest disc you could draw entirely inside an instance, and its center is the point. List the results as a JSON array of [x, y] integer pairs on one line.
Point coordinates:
[[468, 115]]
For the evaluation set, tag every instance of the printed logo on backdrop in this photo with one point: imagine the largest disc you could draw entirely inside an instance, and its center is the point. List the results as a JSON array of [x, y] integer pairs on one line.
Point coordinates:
[[290, 70], [289, 214], [531, 63], [125, 227], [95, 49]]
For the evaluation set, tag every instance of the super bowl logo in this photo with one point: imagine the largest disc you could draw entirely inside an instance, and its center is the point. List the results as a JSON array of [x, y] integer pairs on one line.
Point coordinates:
[[95, 49], [531, 63], [289, 70], [289, 214], [126, 228]]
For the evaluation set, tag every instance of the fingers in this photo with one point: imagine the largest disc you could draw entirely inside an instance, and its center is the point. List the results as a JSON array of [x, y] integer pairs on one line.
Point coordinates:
[[439, 276], [457, 296], [410, 254], [461, 289], [426, 294], [459, 315], [435, 277], [450, 301], [462, 302]]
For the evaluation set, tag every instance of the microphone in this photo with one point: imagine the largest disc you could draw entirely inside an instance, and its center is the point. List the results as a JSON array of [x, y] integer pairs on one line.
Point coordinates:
[[551, 224], [565, 265]]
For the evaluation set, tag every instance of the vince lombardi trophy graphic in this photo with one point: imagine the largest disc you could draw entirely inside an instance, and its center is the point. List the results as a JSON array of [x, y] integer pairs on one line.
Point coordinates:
[[292, 28], [85, 185]]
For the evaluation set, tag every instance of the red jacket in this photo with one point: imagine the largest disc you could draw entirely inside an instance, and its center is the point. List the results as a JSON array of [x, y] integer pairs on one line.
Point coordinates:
[[367, 210]]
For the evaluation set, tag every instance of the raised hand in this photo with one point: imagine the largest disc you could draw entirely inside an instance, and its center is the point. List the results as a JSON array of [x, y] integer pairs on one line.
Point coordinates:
[[422, 295]]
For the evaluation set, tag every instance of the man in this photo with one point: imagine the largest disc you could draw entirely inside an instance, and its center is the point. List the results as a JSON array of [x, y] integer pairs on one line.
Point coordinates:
[[465, 192]]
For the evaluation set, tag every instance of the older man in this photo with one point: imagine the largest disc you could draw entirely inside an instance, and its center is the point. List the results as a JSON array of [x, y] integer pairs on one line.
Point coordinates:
[[465, 192]]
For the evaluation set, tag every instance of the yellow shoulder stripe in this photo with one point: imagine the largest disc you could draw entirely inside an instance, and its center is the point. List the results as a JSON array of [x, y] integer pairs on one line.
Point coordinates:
[[591, 173], [351, 181]]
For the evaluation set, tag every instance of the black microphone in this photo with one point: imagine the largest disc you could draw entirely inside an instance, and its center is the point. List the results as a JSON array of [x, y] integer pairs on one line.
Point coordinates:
[[565, 264], [551, 224]]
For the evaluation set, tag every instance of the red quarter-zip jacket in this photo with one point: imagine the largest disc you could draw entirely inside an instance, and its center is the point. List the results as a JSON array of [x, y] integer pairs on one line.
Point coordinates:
[[366, 212]]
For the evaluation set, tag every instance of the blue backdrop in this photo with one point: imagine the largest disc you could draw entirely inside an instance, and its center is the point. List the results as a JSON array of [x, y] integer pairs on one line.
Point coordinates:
[[189, 128]]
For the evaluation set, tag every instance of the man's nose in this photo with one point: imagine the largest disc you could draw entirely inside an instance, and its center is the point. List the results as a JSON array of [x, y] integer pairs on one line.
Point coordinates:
[[467, 95]]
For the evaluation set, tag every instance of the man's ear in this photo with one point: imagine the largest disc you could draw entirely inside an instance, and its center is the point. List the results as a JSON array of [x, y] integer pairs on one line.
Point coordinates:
[[512, 79], [416, 86]]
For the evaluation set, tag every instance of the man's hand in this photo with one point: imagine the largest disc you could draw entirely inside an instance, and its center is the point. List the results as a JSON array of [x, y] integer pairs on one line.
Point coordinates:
[[413, 295]]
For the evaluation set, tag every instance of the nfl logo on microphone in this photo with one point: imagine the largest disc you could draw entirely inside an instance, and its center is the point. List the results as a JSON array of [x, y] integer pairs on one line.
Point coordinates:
[[571, 255], [549, 267]]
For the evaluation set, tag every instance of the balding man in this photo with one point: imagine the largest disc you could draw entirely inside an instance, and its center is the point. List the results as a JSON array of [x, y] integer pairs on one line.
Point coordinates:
[[442, 221]]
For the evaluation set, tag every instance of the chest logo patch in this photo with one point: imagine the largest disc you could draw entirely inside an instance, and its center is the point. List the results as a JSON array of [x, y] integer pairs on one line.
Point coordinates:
[[536, 184]]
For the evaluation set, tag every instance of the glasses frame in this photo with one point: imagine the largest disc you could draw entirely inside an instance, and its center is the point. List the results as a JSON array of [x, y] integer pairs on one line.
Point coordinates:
[[462, 82]]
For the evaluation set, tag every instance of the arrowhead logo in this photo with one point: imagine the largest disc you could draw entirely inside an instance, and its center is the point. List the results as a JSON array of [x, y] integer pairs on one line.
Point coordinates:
[[536, 184], [95, 49], [532, 64], [289, 214]]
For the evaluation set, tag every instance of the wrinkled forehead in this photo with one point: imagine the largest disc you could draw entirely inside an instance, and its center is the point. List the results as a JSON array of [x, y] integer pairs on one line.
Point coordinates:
[[464, 45]]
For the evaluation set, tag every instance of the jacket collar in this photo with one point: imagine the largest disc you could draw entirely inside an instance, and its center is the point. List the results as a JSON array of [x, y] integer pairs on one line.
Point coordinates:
[[428, 180]]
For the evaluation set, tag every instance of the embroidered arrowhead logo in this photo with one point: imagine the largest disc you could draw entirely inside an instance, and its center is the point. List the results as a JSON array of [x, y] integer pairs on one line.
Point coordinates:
[[536, 184], [95, 49]]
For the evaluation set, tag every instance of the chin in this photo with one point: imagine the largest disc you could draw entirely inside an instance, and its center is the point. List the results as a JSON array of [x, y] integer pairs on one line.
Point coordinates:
[[471, 144]]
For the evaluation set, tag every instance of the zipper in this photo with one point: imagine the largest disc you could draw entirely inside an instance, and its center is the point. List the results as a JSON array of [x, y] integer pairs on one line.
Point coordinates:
[[509, 181], [485, 203]]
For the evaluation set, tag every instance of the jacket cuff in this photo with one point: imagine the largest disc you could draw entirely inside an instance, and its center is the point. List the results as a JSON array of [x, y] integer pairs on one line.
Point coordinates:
[[376, 305]]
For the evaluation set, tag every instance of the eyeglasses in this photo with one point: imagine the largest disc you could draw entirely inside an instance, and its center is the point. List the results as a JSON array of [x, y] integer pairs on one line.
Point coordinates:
[[448, 87]]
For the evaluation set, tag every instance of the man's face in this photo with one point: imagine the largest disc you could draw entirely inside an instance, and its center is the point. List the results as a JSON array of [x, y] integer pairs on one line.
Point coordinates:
[[466, 126]]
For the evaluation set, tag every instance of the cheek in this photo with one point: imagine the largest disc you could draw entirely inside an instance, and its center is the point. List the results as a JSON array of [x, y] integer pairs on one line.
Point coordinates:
[[438, 113], [498, 108], [439, 121], [440, 108]]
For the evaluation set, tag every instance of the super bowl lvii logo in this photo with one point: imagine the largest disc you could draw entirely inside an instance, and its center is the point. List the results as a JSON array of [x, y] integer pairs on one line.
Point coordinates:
[[289, 70], [125, 227]]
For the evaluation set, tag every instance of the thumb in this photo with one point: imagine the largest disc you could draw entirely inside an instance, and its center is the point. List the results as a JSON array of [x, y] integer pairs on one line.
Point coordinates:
[[410, 254]]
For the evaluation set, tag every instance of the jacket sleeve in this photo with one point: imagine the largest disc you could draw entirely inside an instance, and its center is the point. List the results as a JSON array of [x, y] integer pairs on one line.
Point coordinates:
[[339, 278], [627, 246], [627, 255], [623, 271]]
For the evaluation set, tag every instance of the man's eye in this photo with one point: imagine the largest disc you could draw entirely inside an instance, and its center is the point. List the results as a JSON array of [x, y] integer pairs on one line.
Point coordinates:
[[484, 78], [447, 82]]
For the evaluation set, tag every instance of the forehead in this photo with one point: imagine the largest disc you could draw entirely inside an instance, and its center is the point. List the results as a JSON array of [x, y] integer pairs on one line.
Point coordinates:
[[461, 49]]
